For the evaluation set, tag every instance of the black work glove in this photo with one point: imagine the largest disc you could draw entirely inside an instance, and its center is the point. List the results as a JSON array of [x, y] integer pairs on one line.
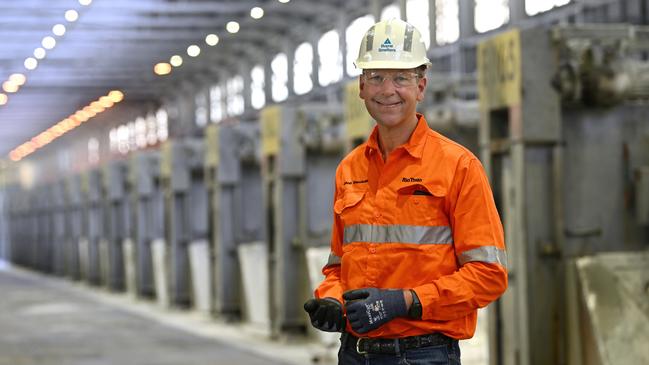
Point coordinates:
[[326, 314], [370, 308]]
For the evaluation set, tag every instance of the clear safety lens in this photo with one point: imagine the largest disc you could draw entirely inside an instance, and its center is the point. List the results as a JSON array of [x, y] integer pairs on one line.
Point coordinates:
[[399, 79]]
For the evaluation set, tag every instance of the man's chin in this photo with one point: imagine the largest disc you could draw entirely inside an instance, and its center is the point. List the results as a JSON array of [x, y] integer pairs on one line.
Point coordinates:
[[388, 121]]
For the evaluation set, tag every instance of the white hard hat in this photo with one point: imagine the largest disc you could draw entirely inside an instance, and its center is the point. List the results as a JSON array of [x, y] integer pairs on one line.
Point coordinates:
[[392, 44]]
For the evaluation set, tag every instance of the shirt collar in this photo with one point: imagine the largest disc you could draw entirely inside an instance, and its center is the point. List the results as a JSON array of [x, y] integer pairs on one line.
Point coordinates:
[[414, 146]]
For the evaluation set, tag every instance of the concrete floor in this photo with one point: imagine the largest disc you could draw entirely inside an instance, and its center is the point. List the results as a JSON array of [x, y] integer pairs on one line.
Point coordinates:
[[46, 320], [53, 321]]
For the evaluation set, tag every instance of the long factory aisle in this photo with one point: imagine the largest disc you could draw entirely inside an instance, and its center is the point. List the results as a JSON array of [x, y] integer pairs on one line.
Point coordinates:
[[45, 320]]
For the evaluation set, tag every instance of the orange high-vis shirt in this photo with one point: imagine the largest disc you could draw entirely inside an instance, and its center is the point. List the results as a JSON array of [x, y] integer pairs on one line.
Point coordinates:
[[425, 220]]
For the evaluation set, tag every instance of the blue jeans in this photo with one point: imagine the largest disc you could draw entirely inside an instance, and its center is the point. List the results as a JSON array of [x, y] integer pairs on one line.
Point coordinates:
[[431, 355]]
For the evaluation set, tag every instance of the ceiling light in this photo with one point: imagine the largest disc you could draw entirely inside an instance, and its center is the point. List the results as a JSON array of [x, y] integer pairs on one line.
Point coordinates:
[[48, 42], [85, 2], [9, 87], [71, 15], [58, 30], [80, 116], [193, 50], [212, 40], [162, 68], [67, 124], [39, 53], [94, 110], [176, 60], [283, 1], [18, 79], [106, 102], [116, 96], [256, 12], [232, 27], [31, 63], [57, 129], [96, 105], [62, 127]]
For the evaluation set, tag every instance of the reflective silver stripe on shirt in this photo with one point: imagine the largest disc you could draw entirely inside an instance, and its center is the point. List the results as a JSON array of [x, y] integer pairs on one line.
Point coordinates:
[[488, 254], [333, 259], [398, 234]]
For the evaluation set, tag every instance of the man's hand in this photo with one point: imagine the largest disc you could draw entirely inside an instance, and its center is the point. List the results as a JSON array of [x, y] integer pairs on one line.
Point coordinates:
[[326, 314], [370, 308]]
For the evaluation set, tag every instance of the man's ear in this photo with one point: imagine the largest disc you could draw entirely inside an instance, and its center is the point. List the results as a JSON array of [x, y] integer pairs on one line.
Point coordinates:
[[421, 88], [361, 86]]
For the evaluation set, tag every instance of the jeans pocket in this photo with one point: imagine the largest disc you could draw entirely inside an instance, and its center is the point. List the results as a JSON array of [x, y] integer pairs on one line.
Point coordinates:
[[431, 355]]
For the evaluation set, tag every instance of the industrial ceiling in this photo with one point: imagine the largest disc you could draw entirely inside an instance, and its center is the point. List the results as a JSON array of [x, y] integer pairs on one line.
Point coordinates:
[[114, 45]]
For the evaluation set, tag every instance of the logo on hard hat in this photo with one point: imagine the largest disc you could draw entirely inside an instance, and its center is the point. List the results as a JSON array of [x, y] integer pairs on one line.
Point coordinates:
[[387, 46]]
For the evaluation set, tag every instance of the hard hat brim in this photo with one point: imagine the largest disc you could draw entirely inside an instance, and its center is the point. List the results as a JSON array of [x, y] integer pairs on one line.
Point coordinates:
[[390, 64]]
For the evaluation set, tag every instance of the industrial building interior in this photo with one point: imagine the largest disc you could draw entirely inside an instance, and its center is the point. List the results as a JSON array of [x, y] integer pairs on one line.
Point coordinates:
[[159, 158]]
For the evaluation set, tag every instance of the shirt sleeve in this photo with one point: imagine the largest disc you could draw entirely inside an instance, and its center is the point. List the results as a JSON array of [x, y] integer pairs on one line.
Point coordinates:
[[331, 286], [479, 248]]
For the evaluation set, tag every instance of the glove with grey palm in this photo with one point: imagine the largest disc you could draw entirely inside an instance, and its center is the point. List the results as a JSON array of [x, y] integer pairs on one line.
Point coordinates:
[[326, 314], [370, 308]]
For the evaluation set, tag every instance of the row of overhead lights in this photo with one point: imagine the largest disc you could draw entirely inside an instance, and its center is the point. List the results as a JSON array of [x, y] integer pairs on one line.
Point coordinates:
[[16, 80], [67, 124], [165, 68]]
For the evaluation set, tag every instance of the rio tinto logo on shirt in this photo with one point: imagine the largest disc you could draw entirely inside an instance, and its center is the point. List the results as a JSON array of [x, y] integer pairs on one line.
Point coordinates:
[[411, 179]]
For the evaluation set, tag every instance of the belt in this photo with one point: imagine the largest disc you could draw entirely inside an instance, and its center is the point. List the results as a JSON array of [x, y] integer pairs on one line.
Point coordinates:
[[364, 345]]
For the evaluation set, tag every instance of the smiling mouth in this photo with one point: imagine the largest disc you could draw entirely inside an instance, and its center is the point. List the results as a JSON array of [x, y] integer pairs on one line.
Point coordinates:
[[388, 105]]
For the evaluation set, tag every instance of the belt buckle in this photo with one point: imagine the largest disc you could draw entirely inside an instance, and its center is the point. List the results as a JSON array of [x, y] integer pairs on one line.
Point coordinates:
[[358, 350]]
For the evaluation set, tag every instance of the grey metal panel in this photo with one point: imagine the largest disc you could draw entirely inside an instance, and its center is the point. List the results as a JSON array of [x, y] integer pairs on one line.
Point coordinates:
[[94, 185], [287, 263], [116, 180], [60, 228], [541, 108], [642, 195], [252, 219], [236, 194], [198, 209], [602, 149], [291, 159], [319, 195], [542, 269], [227, 297], [146, 192], [144, 170], [229, 171], [185, 207], [179, 169]]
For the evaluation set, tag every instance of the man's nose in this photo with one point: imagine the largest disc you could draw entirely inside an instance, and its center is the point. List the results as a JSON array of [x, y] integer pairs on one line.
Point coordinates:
[[388, 87]]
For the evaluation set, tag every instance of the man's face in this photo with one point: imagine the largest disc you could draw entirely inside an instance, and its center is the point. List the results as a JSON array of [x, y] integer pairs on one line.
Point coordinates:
[[391, 96]]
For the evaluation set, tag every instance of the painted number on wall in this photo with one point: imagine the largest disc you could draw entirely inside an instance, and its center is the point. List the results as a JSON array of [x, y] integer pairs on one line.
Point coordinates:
[[270, 133], [499, 70]]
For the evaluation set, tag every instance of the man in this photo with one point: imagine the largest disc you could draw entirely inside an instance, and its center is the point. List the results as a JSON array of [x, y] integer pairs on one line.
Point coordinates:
[[417, 244]]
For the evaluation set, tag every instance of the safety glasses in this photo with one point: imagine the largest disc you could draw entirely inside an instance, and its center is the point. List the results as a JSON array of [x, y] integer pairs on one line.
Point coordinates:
[[399, 79]]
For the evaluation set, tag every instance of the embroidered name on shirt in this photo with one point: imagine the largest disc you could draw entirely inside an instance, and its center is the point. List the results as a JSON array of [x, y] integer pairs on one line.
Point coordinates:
[[411, 179], [355, 182]]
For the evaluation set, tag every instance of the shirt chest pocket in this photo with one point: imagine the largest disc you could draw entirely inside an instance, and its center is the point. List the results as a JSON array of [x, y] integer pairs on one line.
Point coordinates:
[[348, 206], [421, 204]]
